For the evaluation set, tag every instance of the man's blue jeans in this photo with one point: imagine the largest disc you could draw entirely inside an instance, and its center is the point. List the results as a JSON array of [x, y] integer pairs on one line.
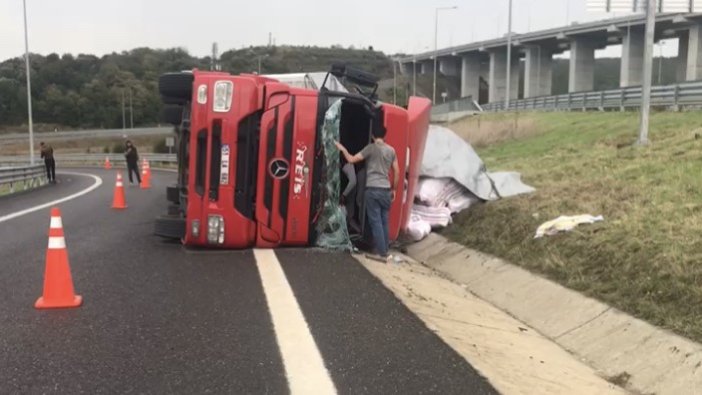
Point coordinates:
[[378, 202]]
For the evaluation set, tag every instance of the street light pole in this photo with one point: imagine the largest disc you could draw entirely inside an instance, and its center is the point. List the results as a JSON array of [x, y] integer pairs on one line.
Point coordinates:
[[394, 82], [436, 44], [123, 116], [29, 86], [509, 56], [131, 110], [414, 76], [647, 72]]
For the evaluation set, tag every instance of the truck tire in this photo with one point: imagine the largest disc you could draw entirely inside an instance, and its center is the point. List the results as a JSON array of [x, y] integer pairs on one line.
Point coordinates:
[[170, 227], [172, 114], [176, 85], [173, 210]]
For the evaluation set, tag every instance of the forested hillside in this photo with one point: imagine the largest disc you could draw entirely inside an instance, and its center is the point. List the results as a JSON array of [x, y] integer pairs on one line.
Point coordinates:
[[86, 91]]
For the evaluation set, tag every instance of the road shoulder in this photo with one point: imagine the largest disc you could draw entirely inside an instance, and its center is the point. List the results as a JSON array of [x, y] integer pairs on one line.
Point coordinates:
[[514, 357], [640, 356]]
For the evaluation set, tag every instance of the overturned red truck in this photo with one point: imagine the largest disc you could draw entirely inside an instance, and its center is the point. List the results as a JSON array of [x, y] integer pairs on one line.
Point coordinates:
[[251, 159]]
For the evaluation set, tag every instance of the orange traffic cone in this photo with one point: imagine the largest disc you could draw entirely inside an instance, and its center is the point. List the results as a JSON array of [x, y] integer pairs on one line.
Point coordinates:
[[148, 170], [119, 202], [58, 284], [145, 178], [108, 165]]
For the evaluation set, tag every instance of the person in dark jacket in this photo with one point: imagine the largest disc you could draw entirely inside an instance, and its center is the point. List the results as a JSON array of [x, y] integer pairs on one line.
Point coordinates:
[[132, 157], [47, 153]]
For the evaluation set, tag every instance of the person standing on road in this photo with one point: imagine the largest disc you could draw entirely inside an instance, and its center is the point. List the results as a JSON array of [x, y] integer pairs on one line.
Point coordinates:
[[379, 194], [132, 162], [47, 153]]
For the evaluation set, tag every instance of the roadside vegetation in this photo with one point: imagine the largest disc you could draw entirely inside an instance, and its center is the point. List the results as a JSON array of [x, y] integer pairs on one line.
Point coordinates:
[[646, 257], [87, 91], [113, 145]]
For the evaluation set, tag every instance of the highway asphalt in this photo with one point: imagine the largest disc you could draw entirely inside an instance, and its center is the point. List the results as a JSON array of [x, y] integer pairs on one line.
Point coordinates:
[[158, 318]]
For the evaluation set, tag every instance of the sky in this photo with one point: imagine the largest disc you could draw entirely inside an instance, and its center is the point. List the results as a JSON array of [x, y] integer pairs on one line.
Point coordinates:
[[393, 26]]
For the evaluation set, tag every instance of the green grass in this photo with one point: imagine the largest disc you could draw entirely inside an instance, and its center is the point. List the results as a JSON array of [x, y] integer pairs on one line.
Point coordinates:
[[646, 257]]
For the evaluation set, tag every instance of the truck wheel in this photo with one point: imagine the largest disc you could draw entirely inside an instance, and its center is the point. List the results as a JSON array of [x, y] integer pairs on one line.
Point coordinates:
[[170, 227], [172, 115], [176, 85], [173, 210]]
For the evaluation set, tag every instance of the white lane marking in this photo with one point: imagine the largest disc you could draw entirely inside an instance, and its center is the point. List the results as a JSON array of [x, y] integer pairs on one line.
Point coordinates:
[[96, 184], [57, 243], [56, 223], [303, 363]]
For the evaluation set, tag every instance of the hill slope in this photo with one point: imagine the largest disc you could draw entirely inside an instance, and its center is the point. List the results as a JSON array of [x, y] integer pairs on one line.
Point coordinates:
[[86, 91], [645, 257]]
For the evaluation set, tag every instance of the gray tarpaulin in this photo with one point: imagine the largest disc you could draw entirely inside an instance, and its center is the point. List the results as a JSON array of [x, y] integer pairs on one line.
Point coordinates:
[[448, 155]]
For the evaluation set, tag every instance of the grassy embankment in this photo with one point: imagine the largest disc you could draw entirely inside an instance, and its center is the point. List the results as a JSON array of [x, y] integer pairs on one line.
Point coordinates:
[[646, 257]]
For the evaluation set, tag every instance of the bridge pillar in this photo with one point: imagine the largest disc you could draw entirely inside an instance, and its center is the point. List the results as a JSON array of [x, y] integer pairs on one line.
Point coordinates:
[[470, 76], [427, 67], [538, 71], [631, 72], [581, 76], [693, 71], [681, 69], [450, 66], [498, 76]]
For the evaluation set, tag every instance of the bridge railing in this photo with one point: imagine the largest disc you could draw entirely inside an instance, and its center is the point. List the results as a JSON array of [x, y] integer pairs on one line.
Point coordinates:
[[675, 96], [13, 178]]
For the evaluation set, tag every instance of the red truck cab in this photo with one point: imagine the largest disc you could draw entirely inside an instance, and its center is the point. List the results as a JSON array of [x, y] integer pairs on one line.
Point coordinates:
[[251, 169]]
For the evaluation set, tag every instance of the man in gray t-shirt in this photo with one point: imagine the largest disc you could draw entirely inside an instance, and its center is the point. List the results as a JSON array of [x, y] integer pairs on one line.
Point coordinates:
[[379, 158]]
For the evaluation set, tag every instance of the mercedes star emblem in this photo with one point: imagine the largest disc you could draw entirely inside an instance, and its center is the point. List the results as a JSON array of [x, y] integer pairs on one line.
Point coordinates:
[[279, 168]]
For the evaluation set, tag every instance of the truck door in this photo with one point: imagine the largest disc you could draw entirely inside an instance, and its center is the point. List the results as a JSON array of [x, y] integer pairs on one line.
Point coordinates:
[[418, 111], [395, 122], [288, 131], [275, 165]]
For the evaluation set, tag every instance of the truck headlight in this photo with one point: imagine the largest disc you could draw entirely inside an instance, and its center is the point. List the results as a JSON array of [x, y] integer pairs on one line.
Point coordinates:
[[202, 94], [195, 228], [223, 91], [215, 229]]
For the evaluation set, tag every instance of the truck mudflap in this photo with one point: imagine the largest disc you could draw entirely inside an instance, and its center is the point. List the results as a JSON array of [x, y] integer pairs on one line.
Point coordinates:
[[173, 194]]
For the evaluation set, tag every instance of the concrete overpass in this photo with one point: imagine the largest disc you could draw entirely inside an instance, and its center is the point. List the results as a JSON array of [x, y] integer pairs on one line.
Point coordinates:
[[488, 59]]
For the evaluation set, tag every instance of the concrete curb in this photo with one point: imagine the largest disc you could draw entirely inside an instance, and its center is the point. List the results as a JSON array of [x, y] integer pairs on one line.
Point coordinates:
[[645, 358]]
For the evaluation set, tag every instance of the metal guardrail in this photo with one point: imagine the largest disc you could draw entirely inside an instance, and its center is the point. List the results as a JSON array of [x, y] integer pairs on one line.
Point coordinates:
[[677, 95], [83, 134], [460, 105], [23, 176], [94, 158]]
